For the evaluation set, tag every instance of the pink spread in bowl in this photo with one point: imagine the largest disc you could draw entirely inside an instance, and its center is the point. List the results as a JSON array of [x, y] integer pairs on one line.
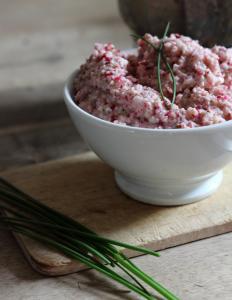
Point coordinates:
[[115, 104], [123, 88]]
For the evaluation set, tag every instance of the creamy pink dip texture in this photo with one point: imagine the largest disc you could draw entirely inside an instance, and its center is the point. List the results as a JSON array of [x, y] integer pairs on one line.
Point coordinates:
[[123, 88]]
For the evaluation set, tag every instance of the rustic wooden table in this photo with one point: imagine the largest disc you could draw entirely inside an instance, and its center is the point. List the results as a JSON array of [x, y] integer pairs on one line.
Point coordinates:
[[41, 43]]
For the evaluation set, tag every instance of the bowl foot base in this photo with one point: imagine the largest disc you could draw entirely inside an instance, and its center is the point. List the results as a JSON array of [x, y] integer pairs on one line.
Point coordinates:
[[169, 192]]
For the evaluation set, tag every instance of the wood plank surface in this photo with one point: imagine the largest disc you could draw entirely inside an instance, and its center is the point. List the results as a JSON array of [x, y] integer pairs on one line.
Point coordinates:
[[39, 142], [31, 16], [41, 44], [83, 188], [196, 271]]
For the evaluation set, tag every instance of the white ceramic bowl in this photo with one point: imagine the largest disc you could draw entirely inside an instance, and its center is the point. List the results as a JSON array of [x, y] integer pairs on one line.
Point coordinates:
[[157, 166]]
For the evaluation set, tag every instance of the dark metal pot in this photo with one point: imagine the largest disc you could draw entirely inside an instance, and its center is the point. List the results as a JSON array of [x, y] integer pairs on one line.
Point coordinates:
[[209, 21]]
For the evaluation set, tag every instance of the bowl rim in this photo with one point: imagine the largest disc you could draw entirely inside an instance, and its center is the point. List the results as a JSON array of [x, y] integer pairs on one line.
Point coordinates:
[[69, 99]]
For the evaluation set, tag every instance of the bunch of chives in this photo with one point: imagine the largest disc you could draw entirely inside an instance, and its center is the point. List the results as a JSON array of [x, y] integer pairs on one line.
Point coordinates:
[[31, 218]]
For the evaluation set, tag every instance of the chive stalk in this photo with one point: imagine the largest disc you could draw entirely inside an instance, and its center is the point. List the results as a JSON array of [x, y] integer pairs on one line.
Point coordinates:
[[31, 218], [161, 57]]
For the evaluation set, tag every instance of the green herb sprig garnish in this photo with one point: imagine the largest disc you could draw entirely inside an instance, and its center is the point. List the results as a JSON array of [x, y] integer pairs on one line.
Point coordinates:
[[161, 56], [29, 217]]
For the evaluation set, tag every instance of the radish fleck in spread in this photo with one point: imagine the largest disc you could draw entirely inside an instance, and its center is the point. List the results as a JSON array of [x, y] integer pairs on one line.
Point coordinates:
[[123, 88]]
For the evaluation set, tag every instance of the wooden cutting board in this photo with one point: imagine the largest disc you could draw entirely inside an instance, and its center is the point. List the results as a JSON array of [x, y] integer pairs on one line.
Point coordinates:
[[83, 187]]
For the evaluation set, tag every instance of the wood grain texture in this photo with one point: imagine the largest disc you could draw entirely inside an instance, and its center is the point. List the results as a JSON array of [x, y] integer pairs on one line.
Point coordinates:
[[55, 14], [195, 271], [39, 142], [83, 188], [37, 56]]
